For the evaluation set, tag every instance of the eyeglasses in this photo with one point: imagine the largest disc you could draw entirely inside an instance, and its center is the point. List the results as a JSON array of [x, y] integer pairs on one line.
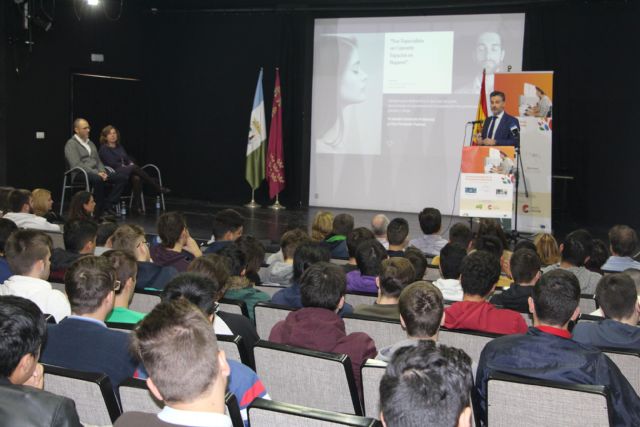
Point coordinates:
[[116, 285]]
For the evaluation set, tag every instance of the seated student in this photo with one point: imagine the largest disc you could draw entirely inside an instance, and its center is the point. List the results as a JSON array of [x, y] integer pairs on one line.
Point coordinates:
[[618, 298], [478, 275], [126, 269], [574, 253], [546, 248], [397, 233], [281, 272], [28, 253], [6, 228], [317, 325], [336, 241], [461, 234], [418, 260], [176, 248], [23, 402], [187, 370], [369, 257], [395, 274], [22, 212], [494, 246], [547, 351], [131, 238], [598, 256], [421, 313], [82, 341], [104, 237], [525, 269], [79, 240], [238, 286], [354, 238], [451, 257], [624, 245], [201, 291], [42, 205], [431, 224], [228, 225], [253, 251], [379, 224], [427, 385]]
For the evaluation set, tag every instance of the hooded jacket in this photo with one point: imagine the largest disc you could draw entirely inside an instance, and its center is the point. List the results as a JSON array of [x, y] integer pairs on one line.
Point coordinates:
[[608, 333]]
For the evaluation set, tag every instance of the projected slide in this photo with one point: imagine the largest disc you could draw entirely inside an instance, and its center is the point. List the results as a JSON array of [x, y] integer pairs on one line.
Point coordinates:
[[391, 97]]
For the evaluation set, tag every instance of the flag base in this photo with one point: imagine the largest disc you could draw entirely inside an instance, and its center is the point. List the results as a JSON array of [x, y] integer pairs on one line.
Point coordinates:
[[252, 205], [277, 206]]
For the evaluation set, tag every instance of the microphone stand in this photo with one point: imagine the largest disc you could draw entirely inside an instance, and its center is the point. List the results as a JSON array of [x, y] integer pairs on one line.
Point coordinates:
[[515, 234]]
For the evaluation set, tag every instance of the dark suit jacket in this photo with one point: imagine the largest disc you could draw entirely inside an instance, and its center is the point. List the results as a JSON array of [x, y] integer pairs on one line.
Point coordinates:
[[502, 135], [154, 276]]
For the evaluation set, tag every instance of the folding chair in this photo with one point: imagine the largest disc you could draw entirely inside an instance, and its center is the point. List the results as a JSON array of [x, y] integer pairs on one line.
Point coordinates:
[[266, 315]]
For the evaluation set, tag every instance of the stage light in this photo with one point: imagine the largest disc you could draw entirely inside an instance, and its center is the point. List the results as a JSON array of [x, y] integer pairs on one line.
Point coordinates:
[[93, 2]]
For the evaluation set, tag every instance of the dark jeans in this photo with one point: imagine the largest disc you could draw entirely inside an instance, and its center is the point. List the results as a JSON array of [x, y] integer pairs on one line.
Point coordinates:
[[136, 175], [117, 183]]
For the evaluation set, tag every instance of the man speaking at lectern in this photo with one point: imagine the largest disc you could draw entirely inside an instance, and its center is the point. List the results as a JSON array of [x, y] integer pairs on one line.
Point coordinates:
[[500, 128]]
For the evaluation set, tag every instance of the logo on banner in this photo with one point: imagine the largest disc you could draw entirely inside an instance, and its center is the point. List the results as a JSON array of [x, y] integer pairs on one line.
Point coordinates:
[[544, 125], [525, 208]]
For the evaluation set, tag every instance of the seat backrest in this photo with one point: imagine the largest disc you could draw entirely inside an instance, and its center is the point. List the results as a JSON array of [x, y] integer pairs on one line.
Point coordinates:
[[135, 396], [372, 372], [307, 377], [629, 364], [234, 306], [268, 413], [587, 304], [233, 348], [57, 239], [384, 332], [267, 315], [509, 402], [359, 298], [144, 302], [58, 286], [339, 261], [432, 274], [269, 288], [471, 342], [92, 393], [118, 326]]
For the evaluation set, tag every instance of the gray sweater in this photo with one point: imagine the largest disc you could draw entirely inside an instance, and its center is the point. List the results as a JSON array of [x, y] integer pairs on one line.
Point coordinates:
[[77, 155]]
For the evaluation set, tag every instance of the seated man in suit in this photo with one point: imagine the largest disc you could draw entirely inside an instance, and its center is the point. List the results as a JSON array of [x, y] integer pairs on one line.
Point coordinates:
[[20, 203], [228, 225], [427, 385], [500, 128], [131, 238], [337, 240], [28, 253], [82, 341], [22, 399], [187, 371], [397, 233], [79, 240], [547, 351], [80, 152]]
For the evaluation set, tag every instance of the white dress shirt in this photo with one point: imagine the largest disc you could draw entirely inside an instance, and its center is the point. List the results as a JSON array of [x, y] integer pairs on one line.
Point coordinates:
[[85, 144], [496, 123]]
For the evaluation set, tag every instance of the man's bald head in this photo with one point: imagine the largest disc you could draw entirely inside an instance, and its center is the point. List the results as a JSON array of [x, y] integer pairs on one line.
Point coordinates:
[[81, 128], [379, 225]]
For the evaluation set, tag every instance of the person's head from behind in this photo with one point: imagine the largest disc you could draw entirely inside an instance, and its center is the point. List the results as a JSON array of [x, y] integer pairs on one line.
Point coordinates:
[[199, 290], [598, 256], [228, 225], [322, 225], [451, 257], [418, 260], [342, 224], [213, 267], [430, 220], [22, 332], [479, 273], [525, 244], [82, 206], [236, 259], [525, 267], [357, 236], [41, 201], [179, 350], [555, 298], [397, 232], [547, 248], [492, 227], [90, 283], [306, 255], [126, 269], [105, 233], [577, 247], [131, 238], [172, 229], [461, 234], [379, 224], [80, 235], [623, 240], [323, 285], [20, 201], [28, 253], [427, 385], [490, 244], [421, 310], [617, 296], [253, 251], [369, 257], [395, 274], [290, 241], [6, 228]]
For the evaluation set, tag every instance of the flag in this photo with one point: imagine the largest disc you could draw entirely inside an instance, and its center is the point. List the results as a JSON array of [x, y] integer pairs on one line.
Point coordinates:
[[275, 159], [481, 114], [257, 137]]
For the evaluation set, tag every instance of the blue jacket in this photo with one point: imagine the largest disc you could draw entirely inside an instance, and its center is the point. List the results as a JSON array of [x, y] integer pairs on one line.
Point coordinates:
[[153, 276], [5, 271], [608, 333], [291, 298], [503, 134], [541, 355]]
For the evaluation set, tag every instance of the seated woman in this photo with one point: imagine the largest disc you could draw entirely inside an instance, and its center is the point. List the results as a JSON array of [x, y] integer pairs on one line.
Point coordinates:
[[82, 206], [113, 155], [42, 204]]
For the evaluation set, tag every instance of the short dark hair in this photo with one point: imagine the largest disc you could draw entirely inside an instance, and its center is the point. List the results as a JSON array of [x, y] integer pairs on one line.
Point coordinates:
[[87, 282], [421, 307], [322, 285], [342, 224], [253, 251], [369, 257], [226, 220], [306, 255], [556, 296], [24, 248], [105, 231], [426, 384], [599, 255], [479, 271], [18, 198], [290, 241], [525, 244], [199, 290], [170, 227], [498, 93], [397, 231], [236, 258], [357, 236], [525, 264], [6, 228], [580, 246], [77, 232], [623, 239], [451, 257], [418, 260], [430, 220], [461, 234], [617, 295], [491, 244], [22, 331], [395, 274], [214, 267], [76, 206], [124, 264], [492, 227]]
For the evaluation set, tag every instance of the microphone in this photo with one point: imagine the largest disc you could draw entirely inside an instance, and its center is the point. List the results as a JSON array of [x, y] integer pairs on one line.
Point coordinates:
[[514, 131], [476, 122]]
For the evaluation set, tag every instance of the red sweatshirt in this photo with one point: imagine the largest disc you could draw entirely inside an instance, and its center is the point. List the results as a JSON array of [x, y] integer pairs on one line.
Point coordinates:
[[485, 317]]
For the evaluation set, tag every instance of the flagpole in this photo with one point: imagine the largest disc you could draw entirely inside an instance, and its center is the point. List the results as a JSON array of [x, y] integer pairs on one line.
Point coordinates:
[[252, 204], [277, 206]]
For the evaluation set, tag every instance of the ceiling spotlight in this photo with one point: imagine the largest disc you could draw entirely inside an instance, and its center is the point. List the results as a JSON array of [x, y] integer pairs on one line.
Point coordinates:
[[93, 2]]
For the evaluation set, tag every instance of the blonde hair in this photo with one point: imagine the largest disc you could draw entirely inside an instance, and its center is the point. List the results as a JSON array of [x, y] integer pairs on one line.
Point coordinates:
[[547, 248], [322, 225], [40, 201]]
